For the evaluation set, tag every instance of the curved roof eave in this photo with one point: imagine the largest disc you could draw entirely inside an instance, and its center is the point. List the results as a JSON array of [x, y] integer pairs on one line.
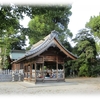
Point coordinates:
[[42, 45], [38, 48], [49, 44], [67, 51], [53, 42]]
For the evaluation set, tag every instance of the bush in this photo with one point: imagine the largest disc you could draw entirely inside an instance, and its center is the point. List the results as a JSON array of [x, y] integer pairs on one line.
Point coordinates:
[[67, 72], [95, 71], [83, 70]]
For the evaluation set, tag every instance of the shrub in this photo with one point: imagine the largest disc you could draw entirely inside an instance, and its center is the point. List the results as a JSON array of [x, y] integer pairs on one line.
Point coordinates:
[[83, 70]]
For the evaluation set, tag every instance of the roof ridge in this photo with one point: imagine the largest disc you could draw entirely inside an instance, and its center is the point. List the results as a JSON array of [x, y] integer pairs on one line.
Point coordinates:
[[47, 42], [51, 35], [42, 43]]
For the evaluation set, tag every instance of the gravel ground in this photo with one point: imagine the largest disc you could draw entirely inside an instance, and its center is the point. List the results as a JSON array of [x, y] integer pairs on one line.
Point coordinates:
[[87, 86]]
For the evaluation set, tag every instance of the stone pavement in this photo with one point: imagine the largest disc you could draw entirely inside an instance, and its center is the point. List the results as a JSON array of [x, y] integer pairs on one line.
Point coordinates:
[[33, 85]]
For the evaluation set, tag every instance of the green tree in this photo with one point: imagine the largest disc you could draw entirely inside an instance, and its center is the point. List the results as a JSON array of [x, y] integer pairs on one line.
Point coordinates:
[[44, 20], [86, 51], [94, 26], [48, 18], [9, 29]]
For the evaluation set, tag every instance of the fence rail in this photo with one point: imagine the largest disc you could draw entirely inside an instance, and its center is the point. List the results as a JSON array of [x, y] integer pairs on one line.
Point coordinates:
[[10, 72]]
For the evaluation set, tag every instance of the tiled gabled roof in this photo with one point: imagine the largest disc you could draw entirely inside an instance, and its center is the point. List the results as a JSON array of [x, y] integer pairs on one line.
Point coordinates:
[[42, 45]]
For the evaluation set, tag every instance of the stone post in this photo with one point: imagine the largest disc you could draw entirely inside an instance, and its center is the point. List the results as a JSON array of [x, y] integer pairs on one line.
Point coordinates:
[[13, 77], [19, 76]]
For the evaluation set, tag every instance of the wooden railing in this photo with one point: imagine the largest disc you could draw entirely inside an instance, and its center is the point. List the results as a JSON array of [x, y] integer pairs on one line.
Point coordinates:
[[42, 74]]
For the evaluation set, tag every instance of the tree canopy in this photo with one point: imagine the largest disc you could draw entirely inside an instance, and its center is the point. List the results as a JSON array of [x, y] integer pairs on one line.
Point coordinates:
[[86, 52], [10, 29], [49, 18], [86, 44], [44, 20], [94, 26]]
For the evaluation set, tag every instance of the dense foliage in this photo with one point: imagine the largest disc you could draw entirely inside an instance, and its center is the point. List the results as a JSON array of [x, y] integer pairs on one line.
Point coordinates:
[[94, 26], [9, 29], [86, 51], [49, 18]]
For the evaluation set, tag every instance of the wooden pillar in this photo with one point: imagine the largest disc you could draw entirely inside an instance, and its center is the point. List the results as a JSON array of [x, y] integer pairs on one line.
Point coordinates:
[[63, 72], [57, 66], [24, 70], [19, 66], [43, 71], [16, 67], [27, 71], [30, 71], [35, 72], [57, 69]]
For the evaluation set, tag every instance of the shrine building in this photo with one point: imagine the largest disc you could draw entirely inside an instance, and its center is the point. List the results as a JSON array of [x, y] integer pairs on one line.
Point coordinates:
[[45, 60]]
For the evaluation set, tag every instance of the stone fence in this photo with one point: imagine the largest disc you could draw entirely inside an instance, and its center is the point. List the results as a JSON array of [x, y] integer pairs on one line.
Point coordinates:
[[11, 75]]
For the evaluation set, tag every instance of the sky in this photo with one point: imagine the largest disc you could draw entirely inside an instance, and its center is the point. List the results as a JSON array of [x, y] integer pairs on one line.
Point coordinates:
[[82, 10]]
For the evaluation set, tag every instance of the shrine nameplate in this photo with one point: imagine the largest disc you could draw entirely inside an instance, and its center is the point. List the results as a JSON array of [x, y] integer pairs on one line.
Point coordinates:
[[39, 59], [50, 58]]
